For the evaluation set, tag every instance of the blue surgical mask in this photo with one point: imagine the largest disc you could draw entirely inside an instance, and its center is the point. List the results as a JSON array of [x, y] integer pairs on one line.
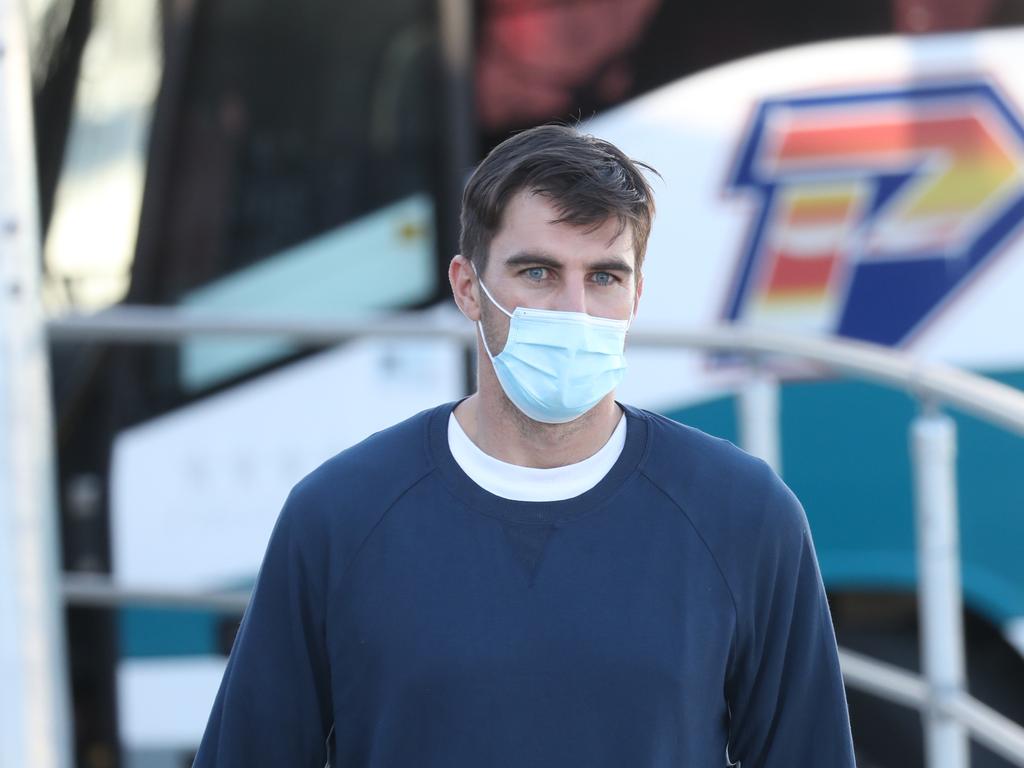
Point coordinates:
[[556, 365]]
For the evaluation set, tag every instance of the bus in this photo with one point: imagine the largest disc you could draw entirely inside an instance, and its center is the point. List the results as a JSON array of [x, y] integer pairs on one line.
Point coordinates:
[[306, 161]]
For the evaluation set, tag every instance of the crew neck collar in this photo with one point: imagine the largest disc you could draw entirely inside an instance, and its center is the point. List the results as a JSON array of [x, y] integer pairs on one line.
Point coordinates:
[[535, 512], [512, 481]]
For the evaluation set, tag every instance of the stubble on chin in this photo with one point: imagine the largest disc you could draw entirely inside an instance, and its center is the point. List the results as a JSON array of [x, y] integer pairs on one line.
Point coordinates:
[[540, 431], [496, 334]]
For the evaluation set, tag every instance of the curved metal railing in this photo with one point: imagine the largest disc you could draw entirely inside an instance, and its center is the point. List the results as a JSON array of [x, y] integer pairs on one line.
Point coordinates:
[[943, 384], [949, 712]]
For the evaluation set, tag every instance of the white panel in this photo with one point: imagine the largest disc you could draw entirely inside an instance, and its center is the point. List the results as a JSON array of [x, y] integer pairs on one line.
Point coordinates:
[[165, 703], [195, 493]]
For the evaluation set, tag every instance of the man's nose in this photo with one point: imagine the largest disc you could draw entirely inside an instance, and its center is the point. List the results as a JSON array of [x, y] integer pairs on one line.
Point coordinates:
[[574, 295]]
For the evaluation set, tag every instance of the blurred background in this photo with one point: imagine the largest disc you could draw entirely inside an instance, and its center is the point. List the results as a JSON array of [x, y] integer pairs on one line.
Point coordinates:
[[307, 157]]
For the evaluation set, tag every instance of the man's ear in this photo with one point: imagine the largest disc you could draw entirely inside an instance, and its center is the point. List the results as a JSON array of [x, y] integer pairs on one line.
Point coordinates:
[[463, 282], [639, 293]]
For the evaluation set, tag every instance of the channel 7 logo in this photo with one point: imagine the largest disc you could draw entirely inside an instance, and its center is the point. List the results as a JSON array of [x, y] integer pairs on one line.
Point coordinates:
[[874, 208]]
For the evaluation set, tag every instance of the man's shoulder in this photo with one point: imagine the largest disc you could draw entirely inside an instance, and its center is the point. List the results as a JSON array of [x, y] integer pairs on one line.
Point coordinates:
[[359, 484], [385, 461], [684, 460], [735, 501]]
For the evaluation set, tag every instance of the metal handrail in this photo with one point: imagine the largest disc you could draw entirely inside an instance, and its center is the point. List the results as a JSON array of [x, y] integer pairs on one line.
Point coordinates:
[[96, 591], [930, 381], [996, 731], [933, 383], [888, 681]]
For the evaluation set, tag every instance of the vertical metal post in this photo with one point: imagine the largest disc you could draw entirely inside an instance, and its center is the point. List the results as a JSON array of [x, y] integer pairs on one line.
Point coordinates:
[[758, 403], [35, 727], [940, 602]]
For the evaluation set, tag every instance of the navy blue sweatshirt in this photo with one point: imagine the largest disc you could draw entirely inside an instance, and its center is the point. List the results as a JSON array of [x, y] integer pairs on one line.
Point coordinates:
[[404, 617]]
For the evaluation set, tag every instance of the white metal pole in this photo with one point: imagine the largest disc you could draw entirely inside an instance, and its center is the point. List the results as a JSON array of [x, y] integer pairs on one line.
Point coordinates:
[[759, 418], [940, 602], [35, 727]]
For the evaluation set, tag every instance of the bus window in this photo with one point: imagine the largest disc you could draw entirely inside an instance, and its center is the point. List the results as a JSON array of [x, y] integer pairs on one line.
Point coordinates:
[[294, 171], [382, 260]]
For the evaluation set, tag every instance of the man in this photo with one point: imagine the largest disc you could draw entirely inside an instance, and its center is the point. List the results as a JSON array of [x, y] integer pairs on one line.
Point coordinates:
[[537, 575]]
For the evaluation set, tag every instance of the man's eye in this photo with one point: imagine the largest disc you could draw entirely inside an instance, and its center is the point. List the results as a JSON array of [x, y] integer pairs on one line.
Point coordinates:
[[537, 273], [604, 278]]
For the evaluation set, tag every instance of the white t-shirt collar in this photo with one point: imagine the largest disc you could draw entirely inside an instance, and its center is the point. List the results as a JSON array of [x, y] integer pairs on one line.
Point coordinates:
[[511, 481]]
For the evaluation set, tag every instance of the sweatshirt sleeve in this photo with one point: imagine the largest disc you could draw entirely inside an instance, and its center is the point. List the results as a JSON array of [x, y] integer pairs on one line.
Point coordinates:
[[785, 690], [273, 707]]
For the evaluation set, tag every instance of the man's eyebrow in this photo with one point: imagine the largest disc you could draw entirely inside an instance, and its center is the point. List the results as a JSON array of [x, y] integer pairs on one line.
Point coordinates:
[[612, 265], [532, 258], [538, 258]]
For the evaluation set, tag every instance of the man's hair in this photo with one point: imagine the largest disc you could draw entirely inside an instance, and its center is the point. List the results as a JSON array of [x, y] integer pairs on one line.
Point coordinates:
[[587, 179]]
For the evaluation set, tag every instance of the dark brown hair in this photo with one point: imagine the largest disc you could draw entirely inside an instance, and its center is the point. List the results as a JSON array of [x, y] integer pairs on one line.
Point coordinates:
[[588, 180]]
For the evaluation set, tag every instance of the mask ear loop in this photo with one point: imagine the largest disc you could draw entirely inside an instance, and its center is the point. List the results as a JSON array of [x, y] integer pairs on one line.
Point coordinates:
[[632, 315], [481, 283], [479, 325]]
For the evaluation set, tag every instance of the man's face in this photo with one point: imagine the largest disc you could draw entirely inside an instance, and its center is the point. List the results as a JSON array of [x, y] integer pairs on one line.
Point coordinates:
[[542, 265]]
